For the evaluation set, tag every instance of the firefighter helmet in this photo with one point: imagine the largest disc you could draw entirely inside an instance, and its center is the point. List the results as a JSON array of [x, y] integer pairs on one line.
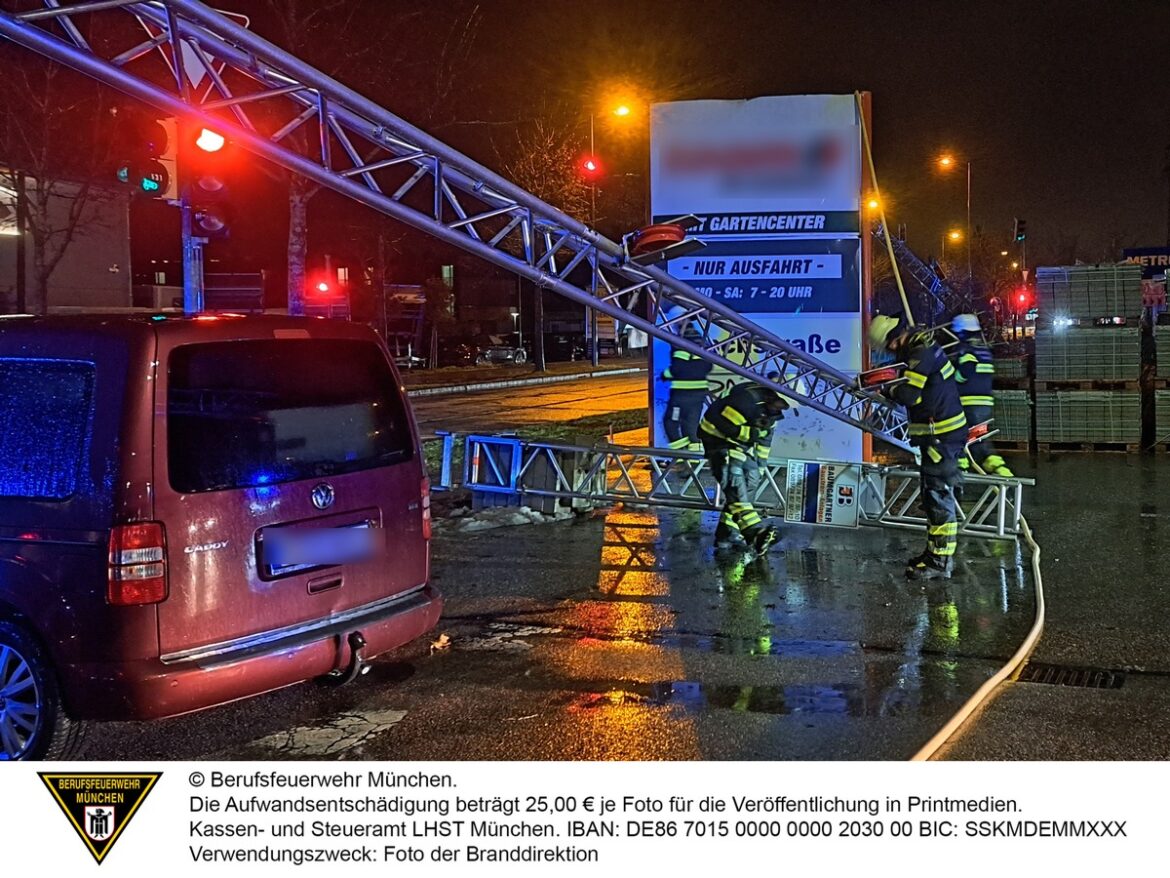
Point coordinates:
[[965, 323], [880, 329]]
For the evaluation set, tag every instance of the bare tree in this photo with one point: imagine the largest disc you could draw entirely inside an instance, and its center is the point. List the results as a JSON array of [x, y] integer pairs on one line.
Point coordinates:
[[543, 160], [361, 41], [53, 144]]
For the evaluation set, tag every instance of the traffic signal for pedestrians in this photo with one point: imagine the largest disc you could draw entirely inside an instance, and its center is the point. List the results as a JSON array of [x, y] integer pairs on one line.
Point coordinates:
[[205, 163], [149, 153], [1019, 230]]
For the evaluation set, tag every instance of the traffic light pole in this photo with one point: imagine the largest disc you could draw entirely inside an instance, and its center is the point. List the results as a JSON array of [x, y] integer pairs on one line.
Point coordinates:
[[192, 261]]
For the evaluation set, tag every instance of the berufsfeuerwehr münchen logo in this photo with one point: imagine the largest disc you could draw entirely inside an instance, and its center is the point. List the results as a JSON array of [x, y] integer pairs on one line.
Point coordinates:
[[99, 805]]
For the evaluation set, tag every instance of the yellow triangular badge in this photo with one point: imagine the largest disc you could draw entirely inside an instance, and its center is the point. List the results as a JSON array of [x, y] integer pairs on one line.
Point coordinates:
[[99, 805]]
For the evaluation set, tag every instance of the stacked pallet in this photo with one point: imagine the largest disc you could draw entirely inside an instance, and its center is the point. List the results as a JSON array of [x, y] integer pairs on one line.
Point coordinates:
[[1162, 420], [1089, 354], [1162, 346], [1087, 293], [1102, 420], [1013, 418], [1088, 392]]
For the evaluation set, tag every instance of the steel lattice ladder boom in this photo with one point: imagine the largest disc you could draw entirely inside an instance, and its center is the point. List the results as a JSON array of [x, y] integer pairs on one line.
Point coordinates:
[[941, 297], [260, 94]]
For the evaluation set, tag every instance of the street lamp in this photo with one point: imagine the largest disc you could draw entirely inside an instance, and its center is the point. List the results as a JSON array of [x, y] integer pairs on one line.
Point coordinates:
[[954, 235], [947, 162], [619, 109]]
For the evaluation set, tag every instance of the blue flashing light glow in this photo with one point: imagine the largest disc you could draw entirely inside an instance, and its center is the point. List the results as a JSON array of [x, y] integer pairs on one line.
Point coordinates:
[[158, 317], [149, 185]]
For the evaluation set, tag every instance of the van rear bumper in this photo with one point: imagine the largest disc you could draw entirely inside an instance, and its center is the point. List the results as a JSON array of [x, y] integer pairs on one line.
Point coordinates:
[[208, 677]]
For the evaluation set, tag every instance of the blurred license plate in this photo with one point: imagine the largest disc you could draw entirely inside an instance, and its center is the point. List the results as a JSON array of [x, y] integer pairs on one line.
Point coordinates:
[[287, 550]]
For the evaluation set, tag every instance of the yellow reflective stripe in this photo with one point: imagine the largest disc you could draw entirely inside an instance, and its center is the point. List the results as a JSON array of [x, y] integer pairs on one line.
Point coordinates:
[[762, 451], [739, 507], [680, 443], [968, 358], [947, 370], [684, 355], [969, 401], [950, 529], [944, 426], [916, 379], [688, 384], [934, 455], [734, 416], [695, 446], [986, 368], [750, 519], [707, 427], [736, 454], [943, 551]]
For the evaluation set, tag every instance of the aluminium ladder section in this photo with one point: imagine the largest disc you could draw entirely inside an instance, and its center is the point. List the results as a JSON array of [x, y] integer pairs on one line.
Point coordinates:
[[889, 496], [940, 296], [258, 95]]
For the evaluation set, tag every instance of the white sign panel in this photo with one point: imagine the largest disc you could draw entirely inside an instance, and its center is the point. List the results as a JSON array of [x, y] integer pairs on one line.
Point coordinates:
[[776, 184]]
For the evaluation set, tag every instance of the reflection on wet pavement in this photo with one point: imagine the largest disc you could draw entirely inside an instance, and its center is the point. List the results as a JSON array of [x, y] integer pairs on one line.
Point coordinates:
[[626, 636]]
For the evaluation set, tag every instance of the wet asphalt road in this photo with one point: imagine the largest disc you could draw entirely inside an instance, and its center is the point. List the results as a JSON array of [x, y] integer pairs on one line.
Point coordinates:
[[622, 635], [513, 407]]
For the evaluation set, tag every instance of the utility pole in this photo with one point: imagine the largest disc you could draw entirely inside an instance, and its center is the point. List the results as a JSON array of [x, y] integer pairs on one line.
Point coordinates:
[[21, 234]]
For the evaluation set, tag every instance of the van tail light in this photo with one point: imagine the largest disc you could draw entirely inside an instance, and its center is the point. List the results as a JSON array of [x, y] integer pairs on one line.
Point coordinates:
[[138, 564], [425, 491]]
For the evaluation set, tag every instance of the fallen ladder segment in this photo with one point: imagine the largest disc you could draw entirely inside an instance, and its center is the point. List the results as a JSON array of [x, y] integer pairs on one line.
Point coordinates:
[[889, 495], [260, 96]]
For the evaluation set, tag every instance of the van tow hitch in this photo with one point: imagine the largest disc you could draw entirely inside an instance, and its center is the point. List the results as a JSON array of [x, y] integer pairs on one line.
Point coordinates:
[[357, 662]]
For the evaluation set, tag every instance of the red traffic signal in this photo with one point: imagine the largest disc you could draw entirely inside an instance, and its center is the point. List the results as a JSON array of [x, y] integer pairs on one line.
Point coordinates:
[[210, 141], [205, 164], [590, 167]]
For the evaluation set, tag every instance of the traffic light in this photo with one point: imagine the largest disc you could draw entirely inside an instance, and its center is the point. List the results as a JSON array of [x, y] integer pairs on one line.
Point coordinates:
[[590, 167], [205, 163], [1019, 230], [148, 155]]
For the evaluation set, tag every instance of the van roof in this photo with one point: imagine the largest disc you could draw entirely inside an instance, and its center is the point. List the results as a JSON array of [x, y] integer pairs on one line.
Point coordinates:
[[215, 326]]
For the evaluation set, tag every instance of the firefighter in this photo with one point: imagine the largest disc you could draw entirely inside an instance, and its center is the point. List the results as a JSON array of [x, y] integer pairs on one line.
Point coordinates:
[[737, 436], [974, 370], [938, 428], [687, 377]]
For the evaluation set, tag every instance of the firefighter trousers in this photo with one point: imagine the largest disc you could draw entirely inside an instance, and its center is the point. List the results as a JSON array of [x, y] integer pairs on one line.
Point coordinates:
[[684, 409], [940, 478], [738, 475], [983, 452]]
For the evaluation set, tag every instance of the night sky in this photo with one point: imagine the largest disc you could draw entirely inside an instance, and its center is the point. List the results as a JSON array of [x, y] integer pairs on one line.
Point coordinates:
[[1063, 108]]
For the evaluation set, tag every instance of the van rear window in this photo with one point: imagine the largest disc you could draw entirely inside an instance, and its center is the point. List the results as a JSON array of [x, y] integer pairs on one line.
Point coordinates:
[[46, 422], [261, 412]]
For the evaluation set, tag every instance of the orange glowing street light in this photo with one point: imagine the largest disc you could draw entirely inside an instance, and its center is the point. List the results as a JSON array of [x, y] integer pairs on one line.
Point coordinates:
[[946, 161], [955, 235]]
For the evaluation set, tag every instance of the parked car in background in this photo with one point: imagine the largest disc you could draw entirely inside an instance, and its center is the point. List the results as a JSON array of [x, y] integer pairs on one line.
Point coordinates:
[[198, 510], [497, 349]]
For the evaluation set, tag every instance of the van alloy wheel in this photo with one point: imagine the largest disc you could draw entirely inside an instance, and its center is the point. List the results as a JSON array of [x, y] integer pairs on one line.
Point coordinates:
[[33, 721], [21, 705]]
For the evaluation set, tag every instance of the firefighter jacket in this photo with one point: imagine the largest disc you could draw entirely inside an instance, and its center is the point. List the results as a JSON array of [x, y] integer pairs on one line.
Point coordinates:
[[929, 393], [736, 423], [974, 371], [687, 371]]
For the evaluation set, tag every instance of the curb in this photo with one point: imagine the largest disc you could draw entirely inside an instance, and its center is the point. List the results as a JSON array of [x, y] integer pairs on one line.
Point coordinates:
[[519, 382]]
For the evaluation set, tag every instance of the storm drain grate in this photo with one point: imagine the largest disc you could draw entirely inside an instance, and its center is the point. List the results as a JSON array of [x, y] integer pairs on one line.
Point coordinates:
[[1062, 675]]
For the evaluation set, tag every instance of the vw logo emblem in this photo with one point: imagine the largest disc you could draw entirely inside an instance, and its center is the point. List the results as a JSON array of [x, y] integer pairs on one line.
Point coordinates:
[[323, 495]]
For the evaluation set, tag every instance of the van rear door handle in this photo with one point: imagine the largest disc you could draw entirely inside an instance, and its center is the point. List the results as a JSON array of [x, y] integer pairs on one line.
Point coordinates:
[[324, 583]]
